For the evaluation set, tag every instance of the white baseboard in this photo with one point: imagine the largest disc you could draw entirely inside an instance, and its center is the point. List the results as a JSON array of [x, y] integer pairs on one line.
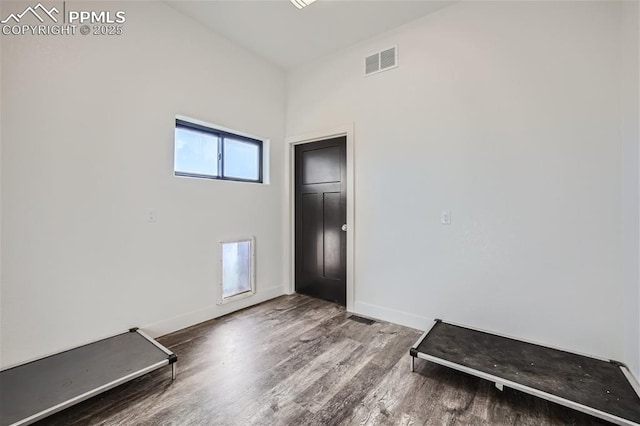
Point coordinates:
[[391, 315], [179, 322]]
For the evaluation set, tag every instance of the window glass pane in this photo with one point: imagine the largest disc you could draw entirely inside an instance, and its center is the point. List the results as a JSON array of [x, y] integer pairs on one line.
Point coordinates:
[[195, 152], [236, 268], [241, 159]]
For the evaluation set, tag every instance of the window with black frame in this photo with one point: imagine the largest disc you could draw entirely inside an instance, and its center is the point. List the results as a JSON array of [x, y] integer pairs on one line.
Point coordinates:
[[207, 152]]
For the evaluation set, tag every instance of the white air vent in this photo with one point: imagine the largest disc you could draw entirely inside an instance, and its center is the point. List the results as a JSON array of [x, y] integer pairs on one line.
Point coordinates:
[[372, 64], [381, 61]]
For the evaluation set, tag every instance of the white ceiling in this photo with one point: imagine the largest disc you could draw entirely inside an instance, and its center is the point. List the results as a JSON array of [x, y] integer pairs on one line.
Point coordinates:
[[289, 37]]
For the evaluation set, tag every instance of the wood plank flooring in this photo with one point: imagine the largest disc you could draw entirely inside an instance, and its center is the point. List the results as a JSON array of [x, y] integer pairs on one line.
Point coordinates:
[[301, 361]]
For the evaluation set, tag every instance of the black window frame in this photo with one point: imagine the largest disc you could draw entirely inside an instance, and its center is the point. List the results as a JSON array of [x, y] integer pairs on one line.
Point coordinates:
[[221, 134]]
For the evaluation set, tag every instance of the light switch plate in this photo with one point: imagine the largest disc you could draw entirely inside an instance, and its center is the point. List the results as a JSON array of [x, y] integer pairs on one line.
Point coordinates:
[[445, 217], [152, 215]]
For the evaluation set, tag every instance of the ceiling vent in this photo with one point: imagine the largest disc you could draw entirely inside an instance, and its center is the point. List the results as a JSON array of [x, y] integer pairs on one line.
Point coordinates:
[[381, 61]]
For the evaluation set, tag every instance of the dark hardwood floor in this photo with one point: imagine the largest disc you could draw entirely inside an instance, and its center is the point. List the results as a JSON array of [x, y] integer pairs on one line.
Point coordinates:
[[300, 361]]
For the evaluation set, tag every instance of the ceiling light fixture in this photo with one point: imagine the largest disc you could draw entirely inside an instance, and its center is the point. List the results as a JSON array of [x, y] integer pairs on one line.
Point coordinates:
[[301, 3]]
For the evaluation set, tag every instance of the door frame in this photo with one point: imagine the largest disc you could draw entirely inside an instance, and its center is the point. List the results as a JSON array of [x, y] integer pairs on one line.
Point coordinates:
[[289, 210]]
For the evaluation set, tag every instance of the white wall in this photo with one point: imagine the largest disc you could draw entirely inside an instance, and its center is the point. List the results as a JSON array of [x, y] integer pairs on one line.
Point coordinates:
[[508, 115], [629, 89], [0, 195], [87, 147]]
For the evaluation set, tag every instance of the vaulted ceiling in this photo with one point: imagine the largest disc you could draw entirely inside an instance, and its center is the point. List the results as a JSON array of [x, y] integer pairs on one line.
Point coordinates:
[[289, 37]]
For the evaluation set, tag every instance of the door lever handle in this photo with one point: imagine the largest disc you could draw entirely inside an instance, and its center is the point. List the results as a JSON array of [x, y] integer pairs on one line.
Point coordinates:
[[344, 227]]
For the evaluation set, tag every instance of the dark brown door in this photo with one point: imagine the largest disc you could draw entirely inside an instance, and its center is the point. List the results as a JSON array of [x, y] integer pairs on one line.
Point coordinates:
[[321, 211]]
